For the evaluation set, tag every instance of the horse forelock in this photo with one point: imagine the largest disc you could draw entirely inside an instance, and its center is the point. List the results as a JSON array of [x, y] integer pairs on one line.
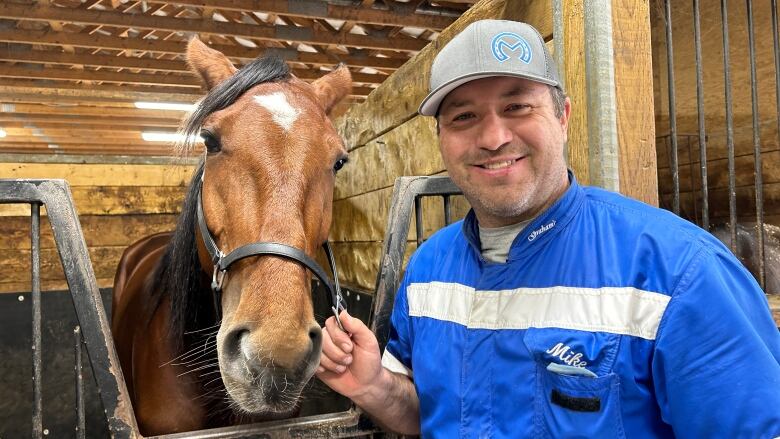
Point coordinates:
[[261, 70]]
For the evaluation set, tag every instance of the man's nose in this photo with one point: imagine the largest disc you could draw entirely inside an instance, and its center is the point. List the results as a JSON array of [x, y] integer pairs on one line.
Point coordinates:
[[495, 132]]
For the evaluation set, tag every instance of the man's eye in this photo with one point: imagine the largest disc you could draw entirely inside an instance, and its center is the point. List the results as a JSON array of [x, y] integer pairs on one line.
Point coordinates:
[[462, 116], [517, 107]]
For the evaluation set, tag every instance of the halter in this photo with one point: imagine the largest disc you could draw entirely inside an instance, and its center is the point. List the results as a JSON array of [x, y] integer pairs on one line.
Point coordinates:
[[222, 262]]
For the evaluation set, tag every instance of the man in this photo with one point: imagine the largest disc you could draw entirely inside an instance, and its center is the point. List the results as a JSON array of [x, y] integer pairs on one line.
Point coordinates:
[[555, 310]]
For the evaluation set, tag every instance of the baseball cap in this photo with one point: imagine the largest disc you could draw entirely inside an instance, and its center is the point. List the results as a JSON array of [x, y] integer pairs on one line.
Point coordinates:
[[489, 48]]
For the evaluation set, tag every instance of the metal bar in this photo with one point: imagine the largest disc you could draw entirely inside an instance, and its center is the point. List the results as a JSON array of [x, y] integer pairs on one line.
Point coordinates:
[[56, 196], [391, 264], [560, 53], [603, 159], [705, 204], [80, 418], [447, 210], [35, 237], [418, 222], [756, 146], [673, 165], [341, 424], [729, 127], [690, 180]]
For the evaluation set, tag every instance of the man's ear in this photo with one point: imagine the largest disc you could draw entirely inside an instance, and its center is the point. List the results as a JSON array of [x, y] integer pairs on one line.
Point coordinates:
[[212, 66]]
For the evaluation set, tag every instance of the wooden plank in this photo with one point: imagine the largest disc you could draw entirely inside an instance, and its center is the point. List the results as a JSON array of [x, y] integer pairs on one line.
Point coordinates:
[[115, 200], [323, 10], [101, 111], [98, 230], [101, 159], [573, 73], [172, 24], [364, 217], [102, 174], [358, 262], [161, 65], [172, 47], [48, 285], [410, 149], [397, 99], [634, 99], [15, 264], [774, 307]]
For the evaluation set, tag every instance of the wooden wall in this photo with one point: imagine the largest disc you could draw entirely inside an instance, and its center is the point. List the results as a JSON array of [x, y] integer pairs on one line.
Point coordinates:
[[117, 201], [387, 139]]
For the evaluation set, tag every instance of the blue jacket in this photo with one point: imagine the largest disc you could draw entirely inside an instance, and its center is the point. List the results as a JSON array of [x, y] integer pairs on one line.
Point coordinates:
[[610, 319]]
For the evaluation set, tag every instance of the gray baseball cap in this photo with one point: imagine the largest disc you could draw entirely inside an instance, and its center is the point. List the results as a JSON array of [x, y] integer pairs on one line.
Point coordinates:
[[489, 48]]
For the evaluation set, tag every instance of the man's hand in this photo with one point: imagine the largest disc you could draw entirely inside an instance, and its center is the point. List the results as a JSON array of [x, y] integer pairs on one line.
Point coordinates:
[[350, 363]]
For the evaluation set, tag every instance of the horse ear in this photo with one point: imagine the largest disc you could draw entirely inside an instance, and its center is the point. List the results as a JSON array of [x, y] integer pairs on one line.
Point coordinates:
[[333, 87], [212, 66]]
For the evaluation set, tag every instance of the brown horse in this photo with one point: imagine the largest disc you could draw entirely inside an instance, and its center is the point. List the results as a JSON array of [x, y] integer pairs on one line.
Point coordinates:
[[195, 357]]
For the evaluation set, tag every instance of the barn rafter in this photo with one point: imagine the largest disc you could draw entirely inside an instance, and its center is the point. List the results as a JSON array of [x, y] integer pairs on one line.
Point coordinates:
[[107, 54]]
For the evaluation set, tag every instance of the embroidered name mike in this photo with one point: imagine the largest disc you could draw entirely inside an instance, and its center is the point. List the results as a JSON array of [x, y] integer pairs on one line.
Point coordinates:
[[541, 230], [565, 354]]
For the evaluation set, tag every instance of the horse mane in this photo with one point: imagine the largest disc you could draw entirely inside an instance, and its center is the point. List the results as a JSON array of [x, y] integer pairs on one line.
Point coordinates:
[[179, 273]]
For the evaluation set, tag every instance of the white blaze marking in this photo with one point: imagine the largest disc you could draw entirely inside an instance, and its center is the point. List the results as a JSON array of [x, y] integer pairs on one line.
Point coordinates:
[[283, 113]]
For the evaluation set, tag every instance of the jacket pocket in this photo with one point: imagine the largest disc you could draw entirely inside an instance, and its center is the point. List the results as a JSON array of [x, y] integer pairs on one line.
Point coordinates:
[[576, 406]]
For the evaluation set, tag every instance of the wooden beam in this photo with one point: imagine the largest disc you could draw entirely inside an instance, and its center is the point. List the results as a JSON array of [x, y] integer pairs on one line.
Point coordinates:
[[92, 150], [98, 230], [124, 112], [102, 93], [170, 80], [102, 174], [99, 159], [116, 200], [98, 41], [175, 66], [56, 74], [70, 140], [322, 10], [264, 33], [634, 99], [69, 125]]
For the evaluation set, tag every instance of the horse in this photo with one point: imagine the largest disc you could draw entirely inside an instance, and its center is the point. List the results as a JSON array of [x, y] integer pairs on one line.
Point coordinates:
[[747, 250], [211, 330]]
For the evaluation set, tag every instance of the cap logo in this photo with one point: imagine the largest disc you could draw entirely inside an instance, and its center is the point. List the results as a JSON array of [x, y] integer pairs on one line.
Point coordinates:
[[508, 45]]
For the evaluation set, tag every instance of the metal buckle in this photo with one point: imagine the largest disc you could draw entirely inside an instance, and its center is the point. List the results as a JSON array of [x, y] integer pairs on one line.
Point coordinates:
[[217, 278], [337, 310]]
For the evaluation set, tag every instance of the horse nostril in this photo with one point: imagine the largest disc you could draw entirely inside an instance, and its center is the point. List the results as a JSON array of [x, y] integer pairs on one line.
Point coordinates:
[[233, 342], [315, 335]]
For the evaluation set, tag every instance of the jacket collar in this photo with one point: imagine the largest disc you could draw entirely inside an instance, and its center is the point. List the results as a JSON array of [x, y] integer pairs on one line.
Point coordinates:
[[543, 228]]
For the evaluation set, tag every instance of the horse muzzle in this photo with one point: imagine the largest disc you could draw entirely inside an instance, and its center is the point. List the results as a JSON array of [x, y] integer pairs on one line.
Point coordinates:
[[262, 379]]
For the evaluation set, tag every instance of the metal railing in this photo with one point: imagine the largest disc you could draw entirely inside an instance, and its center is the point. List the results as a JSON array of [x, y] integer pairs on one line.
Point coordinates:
[[702, 216], [95, 332]]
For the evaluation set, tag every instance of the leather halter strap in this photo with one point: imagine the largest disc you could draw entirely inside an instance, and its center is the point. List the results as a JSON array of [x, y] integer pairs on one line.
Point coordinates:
[[222, 262]]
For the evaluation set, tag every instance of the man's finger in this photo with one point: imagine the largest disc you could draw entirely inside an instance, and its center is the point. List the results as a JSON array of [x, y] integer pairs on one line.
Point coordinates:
[[361, 335], [332, 351], [339, 337]]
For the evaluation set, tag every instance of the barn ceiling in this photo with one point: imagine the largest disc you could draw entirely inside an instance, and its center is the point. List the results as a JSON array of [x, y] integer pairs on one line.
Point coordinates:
[[72, 71]]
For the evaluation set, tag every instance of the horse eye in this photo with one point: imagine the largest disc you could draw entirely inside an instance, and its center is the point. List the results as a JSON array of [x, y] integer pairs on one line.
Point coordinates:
[[340, 164], [211, 142]]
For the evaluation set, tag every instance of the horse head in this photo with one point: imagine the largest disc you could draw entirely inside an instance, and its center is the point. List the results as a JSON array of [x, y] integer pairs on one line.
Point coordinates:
[[271, 159]]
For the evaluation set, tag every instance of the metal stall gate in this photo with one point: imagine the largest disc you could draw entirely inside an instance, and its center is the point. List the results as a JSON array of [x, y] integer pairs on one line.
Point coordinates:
[[94, 331], [717, 94]]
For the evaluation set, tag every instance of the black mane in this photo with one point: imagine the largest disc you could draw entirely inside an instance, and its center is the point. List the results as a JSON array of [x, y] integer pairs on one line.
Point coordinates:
[[179, 273]]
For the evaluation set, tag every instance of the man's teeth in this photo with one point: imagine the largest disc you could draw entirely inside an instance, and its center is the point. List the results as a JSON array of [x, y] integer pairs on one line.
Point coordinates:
[[498, 165]]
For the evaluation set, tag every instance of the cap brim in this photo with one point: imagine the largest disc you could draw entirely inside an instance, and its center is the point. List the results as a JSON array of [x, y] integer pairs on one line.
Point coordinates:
[[430, 105]]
